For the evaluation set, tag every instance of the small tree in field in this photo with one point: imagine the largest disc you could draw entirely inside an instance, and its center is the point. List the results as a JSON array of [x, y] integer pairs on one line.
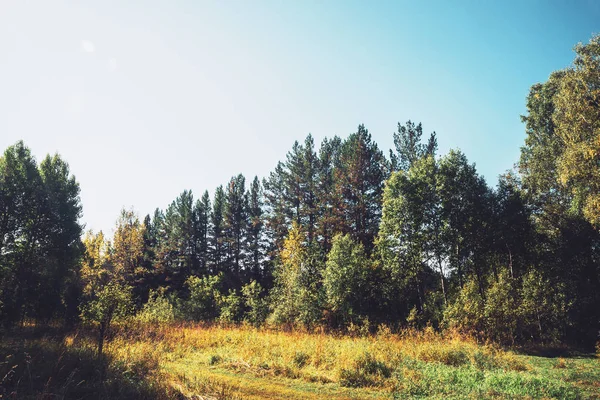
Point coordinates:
[[106, 297], [110, 303], [345, 279]]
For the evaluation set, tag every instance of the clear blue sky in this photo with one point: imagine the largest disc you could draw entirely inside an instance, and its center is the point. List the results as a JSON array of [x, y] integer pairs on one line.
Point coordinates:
[[147, 98]]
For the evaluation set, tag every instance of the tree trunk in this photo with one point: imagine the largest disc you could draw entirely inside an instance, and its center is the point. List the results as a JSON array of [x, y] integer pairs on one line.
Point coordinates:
[[510, 262], [101, 333], [442, 277]]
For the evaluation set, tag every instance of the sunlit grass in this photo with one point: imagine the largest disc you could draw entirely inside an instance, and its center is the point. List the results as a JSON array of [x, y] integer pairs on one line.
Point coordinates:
[[248, 363]]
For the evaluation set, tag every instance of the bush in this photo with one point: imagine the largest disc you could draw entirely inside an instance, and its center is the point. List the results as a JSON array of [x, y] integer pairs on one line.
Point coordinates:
[[203, 301], [255, 303], [466, 313], [501, 310], [367, 371], [158, 309], [231, 308]]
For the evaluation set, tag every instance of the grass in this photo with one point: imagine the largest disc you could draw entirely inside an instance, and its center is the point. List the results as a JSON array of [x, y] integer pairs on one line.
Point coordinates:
[[211, 362]]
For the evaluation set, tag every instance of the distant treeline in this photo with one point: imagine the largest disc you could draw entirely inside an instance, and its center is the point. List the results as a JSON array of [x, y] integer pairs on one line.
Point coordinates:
[[342, 236]]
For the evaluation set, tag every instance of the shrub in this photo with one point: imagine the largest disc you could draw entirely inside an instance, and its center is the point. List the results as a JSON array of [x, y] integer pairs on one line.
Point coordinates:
[[466, 313], [367, 371], [231, 308], [300, 359], [158, 309], [203, 301], [255, 303]]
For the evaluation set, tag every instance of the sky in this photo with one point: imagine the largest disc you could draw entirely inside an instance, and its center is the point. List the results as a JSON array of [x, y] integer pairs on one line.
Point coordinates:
[[144, 99]]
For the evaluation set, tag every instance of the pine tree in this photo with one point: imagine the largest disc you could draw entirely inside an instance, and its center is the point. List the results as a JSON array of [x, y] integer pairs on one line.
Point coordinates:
[[255, 234], [217, 237], [235, 224], [359, 181], [202, 214]]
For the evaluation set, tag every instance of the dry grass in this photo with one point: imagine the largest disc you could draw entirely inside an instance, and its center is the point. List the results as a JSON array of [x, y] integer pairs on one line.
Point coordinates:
[[212, 362], [214, 359]]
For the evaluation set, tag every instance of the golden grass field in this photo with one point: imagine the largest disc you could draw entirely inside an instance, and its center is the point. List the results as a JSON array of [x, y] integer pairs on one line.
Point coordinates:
[[212, 362]]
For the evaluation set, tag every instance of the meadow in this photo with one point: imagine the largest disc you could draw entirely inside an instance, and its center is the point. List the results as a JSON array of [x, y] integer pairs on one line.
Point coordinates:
[[215, 362]]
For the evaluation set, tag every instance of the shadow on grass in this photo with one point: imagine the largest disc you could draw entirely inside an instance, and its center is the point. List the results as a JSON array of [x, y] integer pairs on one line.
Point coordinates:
[[554, 351], [41, 364]]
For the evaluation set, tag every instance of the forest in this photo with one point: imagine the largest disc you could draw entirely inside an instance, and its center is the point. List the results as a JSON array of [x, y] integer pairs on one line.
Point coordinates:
[[340, 237]]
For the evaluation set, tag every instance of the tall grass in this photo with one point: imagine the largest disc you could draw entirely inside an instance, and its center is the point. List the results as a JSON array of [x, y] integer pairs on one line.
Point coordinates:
[[185, 360]]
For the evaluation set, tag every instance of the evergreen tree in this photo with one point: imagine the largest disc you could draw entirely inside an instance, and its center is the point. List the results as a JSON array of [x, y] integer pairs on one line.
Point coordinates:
[[234, 228], [255, 234], [202, 214], [407, 142], [329, 221], [217, 237], [359, 181], [39, 236]]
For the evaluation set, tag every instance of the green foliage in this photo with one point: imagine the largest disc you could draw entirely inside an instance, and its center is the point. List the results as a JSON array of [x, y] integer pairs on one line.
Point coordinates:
[[231, 308], [296, 297], [255, 303], [509, 310], [577, 123], [501, 309], [544, 308], [410, 235], [204, 297], [466, 313], [559, 168], [495, 314], [40, 241], [409, 149], [359, 181], [345, 279], [158, 310], [110, 303]]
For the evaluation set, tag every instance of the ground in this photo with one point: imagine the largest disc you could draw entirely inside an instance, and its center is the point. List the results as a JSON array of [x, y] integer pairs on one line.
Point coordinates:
[[211, 362]]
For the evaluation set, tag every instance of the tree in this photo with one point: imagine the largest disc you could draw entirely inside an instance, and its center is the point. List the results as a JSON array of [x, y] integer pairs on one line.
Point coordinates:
[[407, 236], [217, 237], [291, 192], [409, 149], [21, 199], [255, 303], [128, 253], [204, 297], [109, 303], [60, 240], [346, 279], [577, 123], [296, 296], [513, 229], [39, 237], [276, 210], [202, 214], [559, 177], [180, 241], [329, 221], [544, 308], [255, 231], [466, 312], [106, 296], [235, 224], [466, 207], [359, 181]]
